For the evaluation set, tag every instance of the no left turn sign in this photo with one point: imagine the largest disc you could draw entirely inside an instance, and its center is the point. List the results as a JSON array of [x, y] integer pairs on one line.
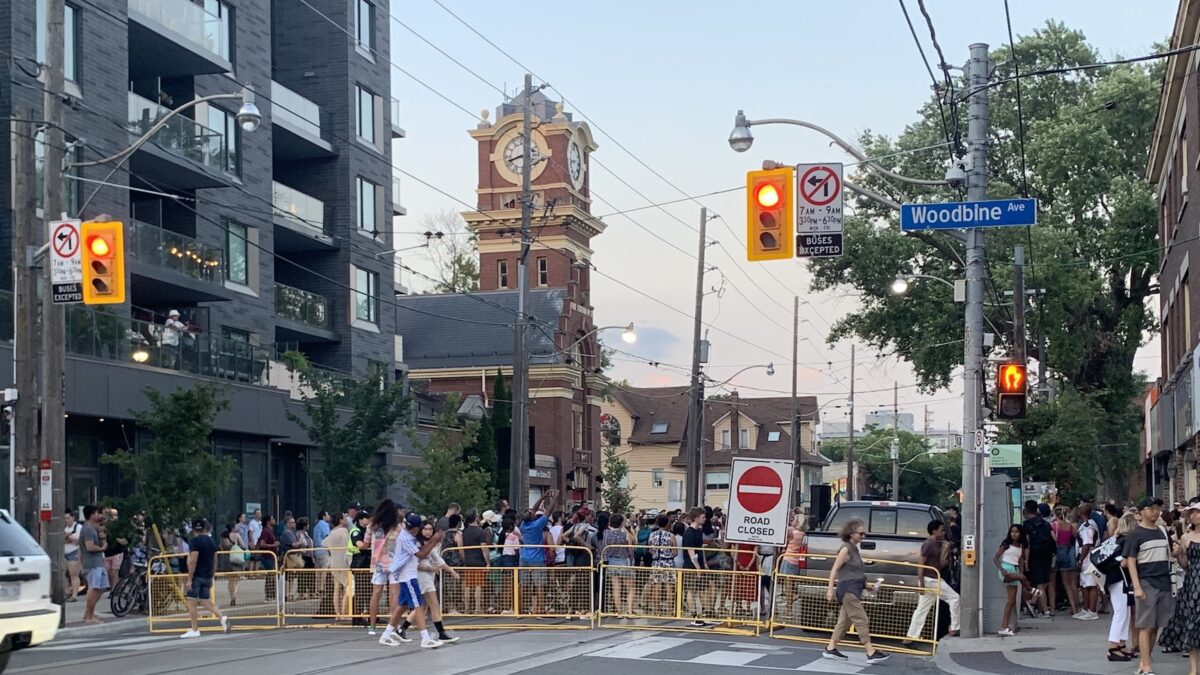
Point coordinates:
[[760, 501]]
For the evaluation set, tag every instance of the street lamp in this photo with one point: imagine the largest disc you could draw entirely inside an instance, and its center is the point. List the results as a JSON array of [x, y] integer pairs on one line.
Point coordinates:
[[900, 286], [903, 282], [770, 371], [740, 139]]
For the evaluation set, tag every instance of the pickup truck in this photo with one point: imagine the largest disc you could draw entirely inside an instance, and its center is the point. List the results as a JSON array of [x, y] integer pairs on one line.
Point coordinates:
[[895, 532]]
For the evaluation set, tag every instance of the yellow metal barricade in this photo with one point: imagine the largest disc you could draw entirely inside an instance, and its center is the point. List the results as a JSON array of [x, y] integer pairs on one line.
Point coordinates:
[[245, 594], [320, 590], [728, 595], [518, 589], [892, 604]]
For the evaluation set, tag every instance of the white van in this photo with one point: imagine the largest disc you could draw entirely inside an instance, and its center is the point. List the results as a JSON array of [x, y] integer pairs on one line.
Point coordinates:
[[27, 617]]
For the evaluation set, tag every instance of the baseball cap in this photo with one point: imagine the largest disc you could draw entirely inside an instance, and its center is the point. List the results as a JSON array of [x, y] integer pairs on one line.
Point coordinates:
[[413, 520], [1147, 502], [1044, 510], [354, 505]]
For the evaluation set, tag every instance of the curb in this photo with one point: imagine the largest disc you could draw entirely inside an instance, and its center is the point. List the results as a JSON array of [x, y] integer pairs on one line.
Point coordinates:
[[110, 627]]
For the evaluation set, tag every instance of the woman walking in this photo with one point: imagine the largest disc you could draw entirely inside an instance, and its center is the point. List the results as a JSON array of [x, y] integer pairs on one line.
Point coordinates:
[[1121, 596], [232, 558], [427, 571], [850, 575], [1183, 631], [1064, 562], [1011, 559], [381, 540]]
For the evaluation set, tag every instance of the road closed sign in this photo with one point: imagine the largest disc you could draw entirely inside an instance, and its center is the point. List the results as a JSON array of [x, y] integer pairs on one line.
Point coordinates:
[[761, 501]]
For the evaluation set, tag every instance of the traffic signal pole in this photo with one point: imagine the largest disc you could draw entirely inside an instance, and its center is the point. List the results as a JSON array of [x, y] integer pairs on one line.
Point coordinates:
[[972, 479]]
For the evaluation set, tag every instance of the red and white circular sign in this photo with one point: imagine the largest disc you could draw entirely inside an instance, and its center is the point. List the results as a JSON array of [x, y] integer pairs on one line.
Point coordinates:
[[759, 489]]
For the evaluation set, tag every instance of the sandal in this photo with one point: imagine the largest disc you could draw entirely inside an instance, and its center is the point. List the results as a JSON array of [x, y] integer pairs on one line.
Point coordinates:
[[1116, 654]]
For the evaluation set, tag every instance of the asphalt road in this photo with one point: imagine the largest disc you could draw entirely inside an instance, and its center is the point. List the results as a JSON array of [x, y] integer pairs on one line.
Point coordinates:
[[334, 650]]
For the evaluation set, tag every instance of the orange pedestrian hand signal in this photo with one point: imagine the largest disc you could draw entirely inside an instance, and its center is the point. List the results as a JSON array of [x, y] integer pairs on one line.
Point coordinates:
[[1011, 385]]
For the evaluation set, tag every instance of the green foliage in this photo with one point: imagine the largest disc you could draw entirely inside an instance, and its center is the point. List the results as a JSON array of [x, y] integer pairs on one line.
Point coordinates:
[[177, 474], [502, 426], [924, 477], [349, 421], [482, 452], [1093, 250], [613, 496], [443, 475]]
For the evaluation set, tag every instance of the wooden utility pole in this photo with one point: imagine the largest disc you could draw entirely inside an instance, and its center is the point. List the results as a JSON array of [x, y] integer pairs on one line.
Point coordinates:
[[519, 459], [24, 417]]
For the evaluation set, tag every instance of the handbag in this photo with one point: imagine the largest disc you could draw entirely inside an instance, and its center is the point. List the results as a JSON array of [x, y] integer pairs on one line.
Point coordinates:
[[238, 555], [1104, 556]]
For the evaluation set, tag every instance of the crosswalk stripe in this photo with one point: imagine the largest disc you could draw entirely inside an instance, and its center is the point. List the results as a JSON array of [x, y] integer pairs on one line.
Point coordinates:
[[723, 657], [640, 648]]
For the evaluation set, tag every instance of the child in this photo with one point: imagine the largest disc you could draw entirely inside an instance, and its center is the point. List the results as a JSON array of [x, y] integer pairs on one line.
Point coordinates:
[[1011, 558]]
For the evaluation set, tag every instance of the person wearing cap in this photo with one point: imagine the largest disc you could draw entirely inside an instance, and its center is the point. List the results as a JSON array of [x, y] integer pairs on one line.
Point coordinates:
[[173, 331], [352, 513], [1148, 554], [405, 560], [201, 568]]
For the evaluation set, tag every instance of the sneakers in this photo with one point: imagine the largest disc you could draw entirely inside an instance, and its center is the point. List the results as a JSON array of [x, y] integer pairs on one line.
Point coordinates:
[[835, 654], [1087, 615], [371, 631], [403, 636], [390, 640], [876, 657], [1005, 632], [224, 624], [191, 634], [430, 643], [447, 639], [697, 623]]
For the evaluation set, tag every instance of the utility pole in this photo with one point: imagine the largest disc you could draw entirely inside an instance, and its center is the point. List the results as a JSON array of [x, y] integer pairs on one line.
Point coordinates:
[[895, 441], [972, 480], [518, 465], [795, 429], [24, 409], [54, 427], [694, 484], [851, 479], [1019, 303]]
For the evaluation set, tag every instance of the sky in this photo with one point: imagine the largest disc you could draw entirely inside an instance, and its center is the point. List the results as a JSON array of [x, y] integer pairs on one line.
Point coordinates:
[[659, 84]]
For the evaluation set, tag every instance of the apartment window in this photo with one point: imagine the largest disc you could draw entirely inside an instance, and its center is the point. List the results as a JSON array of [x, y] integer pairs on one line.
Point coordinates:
[[1183, 161], [772, 436], [368, 205], [502, 273], [578, 426], [658, 428], [543, 269], [743, 438], [70, 37], [363, 33], [235, 335], [367, 103], [222, 151], [217, 32], [366, 295], [716, 480], [656, 477], [236, 254], [725, 439]]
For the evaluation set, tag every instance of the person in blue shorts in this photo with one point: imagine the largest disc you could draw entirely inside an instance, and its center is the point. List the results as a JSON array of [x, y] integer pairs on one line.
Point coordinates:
[[405, 558]]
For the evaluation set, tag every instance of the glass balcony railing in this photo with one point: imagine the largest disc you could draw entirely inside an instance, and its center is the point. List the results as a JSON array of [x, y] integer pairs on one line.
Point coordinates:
[[102, 334], [170, 250], [288, 106], [397, 207], [299, 208], [298, 305], [188, 19], [180, 135], [394, 113]]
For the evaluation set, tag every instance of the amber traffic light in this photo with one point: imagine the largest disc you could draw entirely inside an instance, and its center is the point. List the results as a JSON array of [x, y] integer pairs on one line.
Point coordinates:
[[770, 214], [1011, 391], [103, 263]]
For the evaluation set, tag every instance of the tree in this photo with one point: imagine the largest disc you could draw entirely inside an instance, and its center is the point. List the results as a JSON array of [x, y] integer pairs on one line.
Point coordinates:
[[177, 475], [502, 426], [926, 478], [1086, 135], [349, 421], [482, 451], [444, 476], [453, 252], [613, 496]]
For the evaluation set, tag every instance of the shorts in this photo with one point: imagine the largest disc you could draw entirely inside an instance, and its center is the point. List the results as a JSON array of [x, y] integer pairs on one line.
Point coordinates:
[[380, 579], [410, 594], [1011, 569], [621, 570], [1086, 577], [473, 577], [427, 582], [201, 588], [97, 578], [113, 562], [1154, 610], [537, 573], [790, 567], [1064, 559], [1039, 569]]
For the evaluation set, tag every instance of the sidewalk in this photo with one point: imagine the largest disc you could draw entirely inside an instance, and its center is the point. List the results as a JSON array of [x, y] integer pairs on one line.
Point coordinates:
[[1064, 646], [133, 622]]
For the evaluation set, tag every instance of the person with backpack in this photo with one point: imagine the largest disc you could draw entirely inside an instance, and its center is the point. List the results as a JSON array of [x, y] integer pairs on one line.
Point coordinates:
[[1041, 553]]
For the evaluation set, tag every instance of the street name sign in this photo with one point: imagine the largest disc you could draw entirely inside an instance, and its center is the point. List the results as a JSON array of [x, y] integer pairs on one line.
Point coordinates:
[[968, 215], [760, 501], [819, 210], [66, 261]]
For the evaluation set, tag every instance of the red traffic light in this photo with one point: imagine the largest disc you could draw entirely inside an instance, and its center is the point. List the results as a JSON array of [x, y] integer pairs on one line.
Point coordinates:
[[98, 245], [767, 196]]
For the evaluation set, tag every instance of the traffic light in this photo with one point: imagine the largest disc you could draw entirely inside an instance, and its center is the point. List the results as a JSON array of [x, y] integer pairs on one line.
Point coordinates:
[[103, 263], [1011, 387], [771, 214]]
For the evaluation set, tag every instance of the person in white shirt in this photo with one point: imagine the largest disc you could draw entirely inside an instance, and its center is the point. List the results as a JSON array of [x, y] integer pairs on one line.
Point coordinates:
[[1088, 536], [173, 332], [405, 561], [71, 552]]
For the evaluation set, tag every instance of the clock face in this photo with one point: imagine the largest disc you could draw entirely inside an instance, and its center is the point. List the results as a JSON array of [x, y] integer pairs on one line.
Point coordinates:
[[575, 163], [514, 154]]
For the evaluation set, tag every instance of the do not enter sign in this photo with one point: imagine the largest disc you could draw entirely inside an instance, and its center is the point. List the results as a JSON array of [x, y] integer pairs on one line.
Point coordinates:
[[761, 500]]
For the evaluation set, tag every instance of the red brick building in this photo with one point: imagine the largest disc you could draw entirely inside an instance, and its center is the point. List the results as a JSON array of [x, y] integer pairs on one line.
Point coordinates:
[[458, 342]]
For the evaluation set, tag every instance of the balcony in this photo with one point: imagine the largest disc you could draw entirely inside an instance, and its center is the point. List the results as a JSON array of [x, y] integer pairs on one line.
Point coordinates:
[[397, 209], [302, 316], [299, 220], [183, 154], [394, 119], [172, 38], [298, 126], [171, 268]]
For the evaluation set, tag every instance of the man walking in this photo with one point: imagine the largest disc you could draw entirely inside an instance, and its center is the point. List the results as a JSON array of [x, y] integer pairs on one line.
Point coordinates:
[[93, 541], [202, 565], [407, 555], [935, 552], [1148, 560]]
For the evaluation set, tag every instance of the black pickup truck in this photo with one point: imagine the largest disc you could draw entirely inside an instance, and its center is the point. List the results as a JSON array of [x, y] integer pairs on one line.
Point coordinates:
[[895, 532]]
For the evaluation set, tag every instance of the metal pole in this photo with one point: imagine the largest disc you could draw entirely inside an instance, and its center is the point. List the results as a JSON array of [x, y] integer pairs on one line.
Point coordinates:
[[695, 465], [977, 124], [850, 477], [895, 441], [795, 429], [54, 427], [519, 456], [24, 445]]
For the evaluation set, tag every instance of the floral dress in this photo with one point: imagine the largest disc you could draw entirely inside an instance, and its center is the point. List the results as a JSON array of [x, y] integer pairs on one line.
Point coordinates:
[[662, 558], [1183, 631]]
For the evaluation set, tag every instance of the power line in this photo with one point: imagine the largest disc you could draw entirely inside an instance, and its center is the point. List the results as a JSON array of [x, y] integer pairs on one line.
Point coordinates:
[[945, 74], [933, 78]]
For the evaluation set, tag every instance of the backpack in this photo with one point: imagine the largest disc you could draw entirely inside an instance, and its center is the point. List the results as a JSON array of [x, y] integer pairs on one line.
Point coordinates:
[[451, 553], [1041, 538]]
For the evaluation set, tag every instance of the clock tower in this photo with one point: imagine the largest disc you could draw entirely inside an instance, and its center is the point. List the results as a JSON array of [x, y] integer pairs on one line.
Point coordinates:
[[562, 224]]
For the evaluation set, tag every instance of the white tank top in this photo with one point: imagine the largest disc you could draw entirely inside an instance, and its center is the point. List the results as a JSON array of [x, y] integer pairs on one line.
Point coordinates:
[[1012, 556]]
